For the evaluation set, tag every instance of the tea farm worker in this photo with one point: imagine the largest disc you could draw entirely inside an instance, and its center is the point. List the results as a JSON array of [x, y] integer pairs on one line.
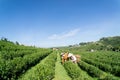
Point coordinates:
[[72, 58]]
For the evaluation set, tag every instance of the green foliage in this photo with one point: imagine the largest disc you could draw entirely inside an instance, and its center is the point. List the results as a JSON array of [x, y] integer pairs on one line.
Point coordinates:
[[99, 63], [16, 60], [112, 42], [92, 70], [105, 62], [72, 69], [102, 64], [96, 72], [75, 72], [45, 70], [13, 68], [105, 43], [110, 77], [4, 39]]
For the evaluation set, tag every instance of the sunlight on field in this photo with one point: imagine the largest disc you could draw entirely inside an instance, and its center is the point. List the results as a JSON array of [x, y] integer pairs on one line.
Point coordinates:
[[60, 73]]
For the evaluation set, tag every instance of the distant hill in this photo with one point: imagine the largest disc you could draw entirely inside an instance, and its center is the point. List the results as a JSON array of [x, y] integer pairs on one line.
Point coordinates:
[[5, 44], [111, 41], [105, 43]]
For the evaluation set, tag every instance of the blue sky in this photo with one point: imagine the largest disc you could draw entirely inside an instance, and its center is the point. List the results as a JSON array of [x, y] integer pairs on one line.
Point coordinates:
[[49, 23]]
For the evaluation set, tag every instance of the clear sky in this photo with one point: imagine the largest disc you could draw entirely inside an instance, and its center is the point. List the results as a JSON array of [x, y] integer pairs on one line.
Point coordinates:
[[49, 23]]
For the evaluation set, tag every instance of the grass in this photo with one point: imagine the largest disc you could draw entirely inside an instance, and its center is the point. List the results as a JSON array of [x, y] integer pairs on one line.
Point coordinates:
[[60, 72]]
